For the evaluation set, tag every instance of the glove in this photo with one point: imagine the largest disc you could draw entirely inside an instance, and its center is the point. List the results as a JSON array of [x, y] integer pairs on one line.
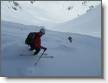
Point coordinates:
[[45, 49]]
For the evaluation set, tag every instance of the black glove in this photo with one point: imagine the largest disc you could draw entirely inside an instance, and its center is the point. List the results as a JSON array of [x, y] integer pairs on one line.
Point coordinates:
[[45, 49]]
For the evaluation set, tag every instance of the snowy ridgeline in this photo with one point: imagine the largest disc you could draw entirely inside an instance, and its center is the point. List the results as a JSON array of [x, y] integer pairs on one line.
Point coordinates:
[[82, 57], [88, 24]]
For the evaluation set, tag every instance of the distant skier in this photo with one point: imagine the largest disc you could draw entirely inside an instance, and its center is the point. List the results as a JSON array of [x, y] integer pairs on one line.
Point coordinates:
[[35, 41], [70, 39]]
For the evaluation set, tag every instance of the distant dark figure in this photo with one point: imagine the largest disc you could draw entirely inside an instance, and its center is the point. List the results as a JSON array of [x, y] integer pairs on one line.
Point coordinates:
[[70, 7], [70, 39]]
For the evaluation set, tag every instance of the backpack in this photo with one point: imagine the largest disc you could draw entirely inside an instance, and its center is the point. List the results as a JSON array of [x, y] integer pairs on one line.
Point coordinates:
[[30, 38]]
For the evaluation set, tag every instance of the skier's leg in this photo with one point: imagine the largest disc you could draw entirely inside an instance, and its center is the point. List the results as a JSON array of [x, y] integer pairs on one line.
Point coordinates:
[[70, 41], [31, 47], [37, 51]]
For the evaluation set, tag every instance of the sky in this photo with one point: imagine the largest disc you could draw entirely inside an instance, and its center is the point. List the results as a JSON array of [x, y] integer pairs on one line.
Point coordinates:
[[57, 11]]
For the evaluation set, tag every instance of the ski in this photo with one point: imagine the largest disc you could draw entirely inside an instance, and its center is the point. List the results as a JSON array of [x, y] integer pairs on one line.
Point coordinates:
[[45, 56], [32, 54]]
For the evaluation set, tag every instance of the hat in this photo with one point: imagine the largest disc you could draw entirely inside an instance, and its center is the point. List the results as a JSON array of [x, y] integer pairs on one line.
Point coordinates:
[[42, 30]]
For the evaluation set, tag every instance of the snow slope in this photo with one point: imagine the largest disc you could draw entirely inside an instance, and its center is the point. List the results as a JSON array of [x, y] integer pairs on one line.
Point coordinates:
[[88, 24], [26, 14], [31, 14], [82, 57]]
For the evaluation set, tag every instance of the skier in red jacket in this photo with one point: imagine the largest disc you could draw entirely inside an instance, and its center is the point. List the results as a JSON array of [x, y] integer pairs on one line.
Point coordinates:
[[37, 41]]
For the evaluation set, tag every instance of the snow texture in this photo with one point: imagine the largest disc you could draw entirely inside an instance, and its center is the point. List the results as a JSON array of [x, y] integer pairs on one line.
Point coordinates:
[[82, 57], [88, 24]]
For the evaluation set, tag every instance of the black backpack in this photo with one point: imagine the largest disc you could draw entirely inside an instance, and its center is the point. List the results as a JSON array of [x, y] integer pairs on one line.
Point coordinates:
[[30, 38]]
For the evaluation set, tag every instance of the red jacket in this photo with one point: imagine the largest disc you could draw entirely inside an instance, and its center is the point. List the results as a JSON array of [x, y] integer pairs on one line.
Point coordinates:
[[37, 40]]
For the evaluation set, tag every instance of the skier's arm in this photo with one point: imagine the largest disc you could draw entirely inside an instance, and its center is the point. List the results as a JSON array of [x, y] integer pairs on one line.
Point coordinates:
[[43, 48]]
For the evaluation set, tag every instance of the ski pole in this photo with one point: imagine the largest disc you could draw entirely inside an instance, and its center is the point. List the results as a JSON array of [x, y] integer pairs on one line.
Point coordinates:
[[40, 57]]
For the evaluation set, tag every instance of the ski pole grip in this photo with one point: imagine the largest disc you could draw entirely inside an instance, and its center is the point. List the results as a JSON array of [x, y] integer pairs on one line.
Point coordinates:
[[45, 49]]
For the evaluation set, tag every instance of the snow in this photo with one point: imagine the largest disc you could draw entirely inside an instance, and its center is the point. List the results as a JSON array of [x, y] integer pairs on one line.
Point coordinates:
[[82, 57], [28, 14], [87, 24], [44, 10]]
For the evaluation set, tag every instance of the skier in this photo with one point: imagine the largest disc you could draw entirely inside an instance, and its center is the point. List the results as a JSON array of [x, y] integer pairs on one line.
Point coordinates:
[[70, 39], [37, 42]]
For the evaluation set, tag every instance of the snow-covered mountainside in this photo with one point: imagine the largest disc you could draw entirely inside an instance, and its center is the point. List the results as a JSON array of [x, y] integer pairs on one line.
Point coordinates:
[[24, 13], [82, 57], [31, 14], [89, 24]]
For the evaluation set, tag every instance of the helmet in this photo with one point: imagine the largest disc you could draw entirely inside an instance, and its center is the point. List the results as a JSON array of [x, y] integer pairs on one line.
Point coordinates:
[[42, 30]]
